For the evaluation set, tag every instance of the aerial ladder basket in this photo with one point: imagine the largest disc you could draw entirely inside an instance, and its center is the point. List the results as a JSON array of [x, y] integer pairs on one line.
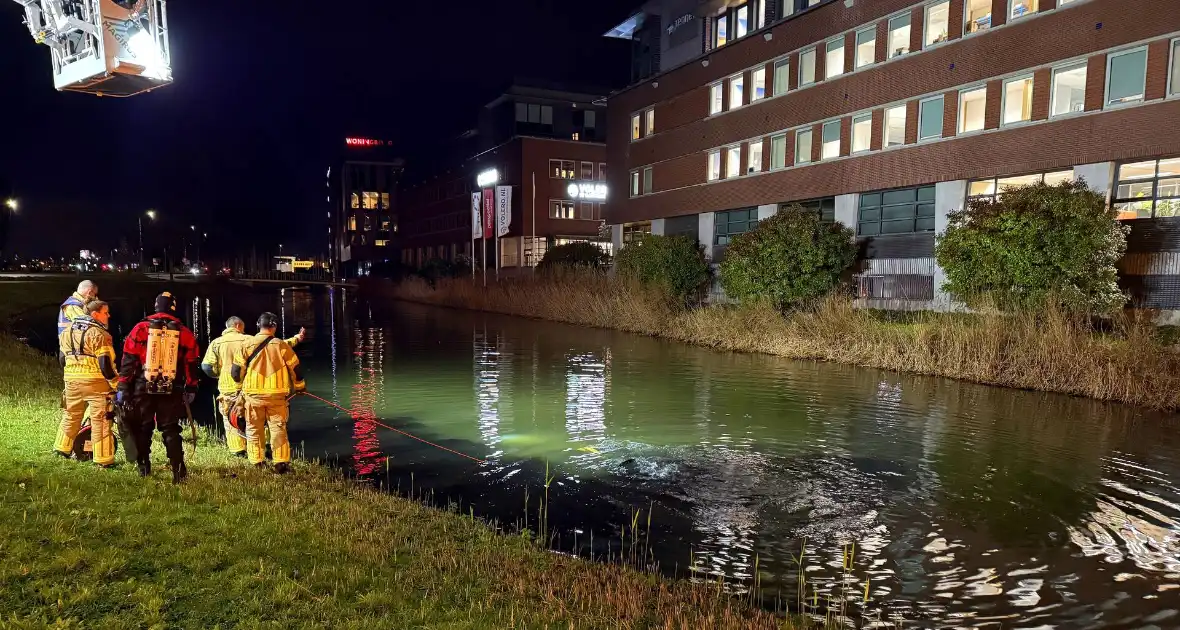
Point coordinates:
[[104, 47]]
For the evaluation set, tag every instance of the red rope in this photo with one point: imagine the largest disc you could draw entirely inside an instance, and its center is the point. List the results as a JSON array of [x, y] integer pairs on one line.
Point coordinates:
[[409, 435]]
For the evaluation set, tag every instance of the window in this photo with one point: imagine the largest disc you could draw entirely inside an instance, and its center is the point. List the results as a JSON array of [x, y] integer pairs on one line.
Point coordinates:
[[831, 140], [778, 152], [904, 211], [1174, 70], [634, 183], [782, 76], [715, 102], [991, 189], [862, 132], [1018, 94], [807, 67], [636, 130], [1126, 76], [602, 171], [737, 90], [522, 112], [938, 23], [587, 173], [733, 162], [754, 159], [714, 165], [562, 169], [972, 104], [930, 118], [649, 120], [977, 16], [647, 181], [1069, 90], [866, 47], [560, 209], [635, 232], [834, 58], [1018, 8], [369, 200], [803, 146], [742, 20], [758, 81], [1148, 189], [825, 207], [385, 201], [537, 114], [588, 119], [899, 35], [727, 225], [381, 242], [352, 223], [894, 126], [720, 31], [355, 200]]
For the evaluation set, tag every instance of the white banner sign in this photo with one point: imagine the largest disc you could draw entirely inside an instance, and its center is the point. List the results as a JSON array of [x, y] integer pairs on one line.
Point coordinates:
[[476, 220], [503, 209]]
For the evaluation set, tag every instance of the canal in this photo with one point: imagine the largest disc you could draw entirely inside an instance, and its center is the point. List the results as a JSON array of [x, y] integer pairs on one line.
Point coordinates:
[[969, 506]]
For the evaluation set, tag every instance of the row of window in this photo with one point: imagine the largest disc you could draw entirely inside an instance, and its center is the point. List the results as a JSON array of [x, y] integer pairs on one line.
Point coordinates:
[[936, 30], [643, 124], [566, 209], [565, 169], [369, 200], [1126, 80], [643, 176]]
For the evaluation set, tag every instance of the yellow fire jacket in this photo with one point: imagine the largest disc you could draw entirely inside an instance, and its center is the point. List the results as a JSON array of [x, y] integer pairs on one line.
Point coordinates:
[[274, 371], [219, 359], [86, 352]]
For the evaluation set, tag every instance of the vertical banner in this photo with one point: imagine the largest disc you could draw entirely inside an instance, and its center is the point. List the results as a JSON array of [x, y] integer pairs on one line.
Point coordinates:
[[476, 221], [489, 210], [503, 209]]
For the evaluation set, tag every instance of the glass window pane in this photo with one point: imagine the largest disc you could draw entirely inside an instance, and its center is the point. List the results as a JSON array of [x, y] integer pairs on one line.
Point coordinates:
[[930, 119], [1069, 90], [870, 214], [715, 102], [978, 15], [803, 147], [733, 160], [1139, 190], [1060, 176], [782, 73], [831, 140], [868, 229], [870, 199], [925, 210], [754, 163], [1167, 188], [807, 67], [778, 152], [721, 31], [862, 131], [635, 127], [908, 195], [897, 227], [981, 187], [866, 47], [649, 116], [834, 60], [972, 105], [1174, 84], [924, 224], [758, 83], [1138, 170], [742, 16], [1126, 77], [1168, 168], [895, 126], [1012, 182], [714, 165], [926, 193], [902, 211], [937, 23], [899, 35], [1022, 7], [1018, 100], [1167, 208], [737, 91]]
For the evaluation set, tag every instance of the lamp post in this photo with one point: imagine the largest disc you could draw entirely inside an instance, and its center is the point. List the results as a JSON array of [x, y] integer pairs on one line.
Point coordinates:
[[151, 214], [11, 204]]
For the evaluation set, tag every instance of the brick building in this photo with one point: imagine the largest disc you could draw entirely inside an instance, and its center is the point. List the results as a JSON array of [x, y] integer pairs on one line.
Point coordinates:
[[548, 145], [887, 115]]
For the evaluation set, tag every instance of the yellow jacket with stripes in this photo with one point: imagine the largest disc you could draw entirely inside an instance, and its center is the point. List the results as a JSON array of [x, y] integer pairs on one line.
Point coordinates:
[[86, 352], [274, 371], [219, 358]]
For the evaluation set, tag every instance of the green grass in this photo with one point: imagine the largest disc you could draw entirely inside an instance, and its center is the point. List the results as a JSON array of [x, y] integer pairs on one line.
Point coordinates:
[[237, 547]]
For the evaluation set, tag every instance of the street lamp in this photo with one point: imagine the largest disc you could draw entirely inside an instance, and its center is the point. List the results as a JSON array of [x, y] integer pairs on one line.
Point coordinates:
[[151, 214], [11, 204]]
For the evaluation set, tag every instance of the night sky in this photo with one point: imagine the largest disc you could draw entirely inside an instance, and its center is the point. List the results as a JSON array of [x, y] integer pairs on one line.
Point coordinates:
[[262, 98]]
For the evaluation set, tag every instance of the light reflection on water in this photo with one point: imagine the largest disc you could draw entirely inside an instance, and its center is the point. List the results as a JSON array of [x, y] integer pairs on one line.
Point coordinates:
[[968, 506]]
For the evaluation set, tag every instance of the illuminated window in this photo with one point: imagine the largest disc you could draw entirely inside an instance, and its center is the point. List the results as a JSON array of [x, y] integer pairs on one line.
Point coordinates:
[[862, 132], [634, 183], [1020, 8], [992, 189], [899, 35], [754, 161], [714, 172], [562, 169], [803, 146], [831, 140], [742, 20], [758, 83], [733, 161], [866, 47], [352, 223], [369, 200], [937, 23], [930, 118], [972, 104], [782, 74], [720, 31], [807, 67], [647, 181], [834, 58], [635, 129], [381, 242], [635, 232], [977, 16], [1148, 189], [649, 121], [715, 99], [385, 201], [1126, 76], [737, 90], [1174, 70], [561, 209], [1018, 94], [778, 151], [355, 200], [894, 126]]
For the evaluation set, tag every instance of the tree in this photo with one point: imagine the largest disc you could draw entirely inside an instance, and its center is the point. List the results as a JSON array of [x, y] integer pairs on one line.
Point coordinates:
[[676, 264], [1035, 244], [586, 255], [789, 258]]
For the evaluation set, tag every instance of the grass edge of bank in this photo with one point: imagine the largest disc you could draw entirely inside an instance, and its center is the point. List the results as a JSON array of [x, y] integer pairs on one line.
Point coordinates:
[[1049, 350], [239, 547]]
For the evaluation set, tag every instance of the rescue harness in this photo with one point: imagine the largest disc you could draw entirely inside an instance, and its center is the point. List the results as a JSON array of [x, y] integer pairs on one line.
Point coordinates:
[[235, 406]]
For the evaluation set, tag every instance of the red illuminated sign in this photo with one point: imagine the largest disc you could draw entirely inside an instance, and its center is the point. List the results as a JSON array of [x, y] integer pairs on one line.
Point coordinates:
[[364, 142], [489, 212]]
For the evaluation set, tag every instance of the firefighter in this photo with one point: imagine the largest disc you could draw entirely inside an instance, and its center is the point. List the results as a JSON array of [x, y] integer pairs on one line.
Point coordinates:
[[75, 305], [157, 381], [269, 371], [218, 358], [87, 356]]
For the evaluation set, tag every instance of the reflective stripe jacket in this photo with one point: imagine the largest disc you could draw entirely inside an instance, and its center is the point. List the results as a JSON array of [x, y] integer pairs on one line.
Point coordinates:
[[87, 352], [188, 356], [274, 371], [219, 359], [73, 308]]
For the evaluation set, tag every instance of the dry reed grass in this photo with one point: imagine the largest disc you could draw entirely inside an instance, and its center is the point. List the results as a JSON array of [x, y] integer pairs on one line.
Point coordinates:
[[1048, 350]]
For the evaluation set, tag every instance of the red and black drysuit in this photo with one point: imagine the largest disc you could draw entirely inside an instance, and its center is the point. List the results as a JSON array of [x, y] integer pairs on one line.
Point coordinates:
[[146, 411]]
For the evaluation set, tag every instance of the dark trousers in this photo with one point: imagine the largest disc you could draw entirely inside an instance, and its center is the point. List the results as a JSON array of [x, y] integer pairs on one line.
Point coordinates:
[[146, 412]]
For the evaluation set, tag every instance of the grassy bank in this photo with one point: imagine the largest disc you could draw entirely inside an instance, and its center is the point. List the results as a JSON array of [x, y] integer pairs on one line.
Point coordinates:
[[1048, 351], [236, 547]]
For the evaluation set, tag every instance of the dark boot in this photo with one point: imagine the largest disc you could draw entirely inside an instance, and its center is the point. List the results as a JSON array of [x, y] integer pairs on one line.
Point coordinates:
[[282, 468], [145, 469], [61, 454], [179, 471]]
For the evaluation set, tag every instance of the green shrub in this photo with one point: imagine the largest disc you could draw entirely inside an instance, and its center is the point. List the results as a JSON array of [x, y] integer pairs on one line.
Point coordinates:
[[570, 255], [677, 264], [437, 269], [789, 258], [1036, 244]]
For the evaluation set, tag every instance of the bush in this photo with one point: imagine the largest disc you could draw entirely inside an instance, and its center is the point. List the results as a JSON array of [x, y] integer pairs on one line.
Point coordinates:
[[570, 255], [789, 258], [1036, 244], [676, 264], [437, 269]]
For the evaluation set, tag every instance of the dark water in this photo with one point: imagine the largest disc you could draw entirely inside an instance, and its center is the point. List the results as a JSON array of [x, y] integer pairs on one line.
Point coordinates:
[[969, 506]]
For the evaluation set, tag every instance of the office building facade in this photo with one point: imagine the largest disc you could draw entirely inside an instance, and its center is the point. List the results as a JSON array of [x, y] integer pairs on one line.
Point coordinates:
[[362, 207], [887, 116]]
